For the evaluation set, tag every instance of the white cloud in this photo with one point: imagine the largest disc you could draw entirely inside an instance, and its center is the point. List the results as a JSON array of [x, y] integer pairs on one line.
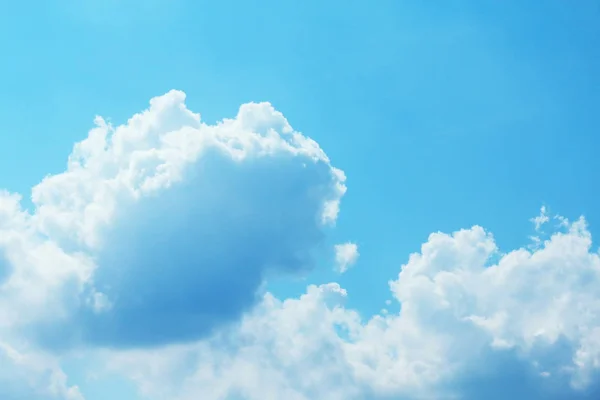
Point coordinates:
[[541, 219], [346, 255], [154, 151], [161, 202], [163, 228], [465, 328]]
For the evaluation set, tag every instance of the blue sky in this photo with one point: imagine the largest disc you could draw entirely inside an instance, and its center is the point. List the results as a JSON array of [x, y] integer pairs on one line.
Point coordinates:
[[442, 117]]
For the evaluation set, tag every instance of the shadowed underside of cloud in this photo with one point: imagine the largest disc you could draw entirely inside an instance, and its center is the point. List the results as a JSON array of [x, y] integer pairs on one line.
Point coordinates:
[[179, 264]]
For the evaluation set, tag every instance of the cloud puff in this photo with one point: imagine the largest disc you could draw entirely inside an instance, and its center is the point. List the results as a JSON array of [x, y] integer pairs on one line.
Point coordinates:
[[526, 326], [541, 219], [40, 278], [163, 228], [346, 255]]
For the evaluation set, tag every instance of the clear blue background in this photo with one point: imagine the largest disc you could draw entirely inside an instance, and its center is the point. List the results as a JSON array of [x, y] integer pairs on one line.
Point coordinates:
[[443, 114]]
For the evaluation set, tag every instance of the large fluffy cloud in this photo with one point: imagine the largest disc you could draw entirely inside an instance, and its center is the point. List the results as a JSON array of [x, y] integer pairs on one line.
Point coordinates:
[[474, 323], [163, 228]]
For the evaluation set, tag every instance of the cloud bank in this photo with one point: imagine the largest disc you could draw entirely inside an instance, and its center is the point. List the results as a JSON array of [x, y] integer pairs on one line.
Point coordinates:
[[525, 326], [150, 252]]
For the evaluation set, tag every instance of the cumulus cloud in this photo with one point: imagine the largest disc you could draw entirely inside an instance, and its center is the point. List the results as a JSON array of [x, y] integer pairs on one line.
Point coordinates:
[[163, 228], [526, 326], [167, 227], [346, 255], [162, 232]]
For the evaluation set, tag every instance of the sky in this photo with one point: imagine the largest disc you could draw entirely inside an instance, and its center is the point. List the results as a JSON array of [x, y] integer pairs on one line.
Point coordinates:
[[345, 200]]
